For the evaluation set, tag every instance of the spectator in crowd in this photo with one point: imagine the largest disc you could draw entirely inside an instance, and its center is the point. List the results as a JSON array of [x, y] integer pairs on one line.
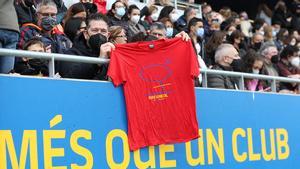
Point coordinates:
[[117, 35], [281, 38], [258, 26], [236, 38], [253, 63], [245, 24], [289, 66], [268, 34], [73, 27], [9, 33], [271, 58], [145, 14], [281, 14], [159, 30], [25, 11], [225, 54], [182, 23], [225, 12], [295, 22], [169, 12], [212, 44], [140, 37], [151, 16], [90, 7], [206, 9], [170, 30], [117, 15], [264, 12], [134, 18], [196, 33], [45, 28], [30, 66], [256, 41], [61, 10], [295, 34], [91, 43], [77, 10]]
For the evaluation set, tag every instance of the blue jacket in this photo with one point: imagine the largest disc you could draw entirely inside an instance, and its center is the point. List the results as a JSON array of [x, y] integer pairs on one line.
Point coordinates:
[[58, 41]]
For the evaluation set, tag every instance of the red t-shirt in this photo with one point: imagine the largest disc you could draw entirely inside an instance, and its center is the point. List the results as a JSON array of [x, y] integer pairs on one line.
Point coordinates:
[[159, 90]]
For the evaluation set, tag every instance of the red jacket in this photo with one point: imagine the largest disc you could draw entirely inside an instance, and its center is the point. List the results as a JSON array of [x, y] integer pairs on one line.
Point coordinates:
[[101, 6]]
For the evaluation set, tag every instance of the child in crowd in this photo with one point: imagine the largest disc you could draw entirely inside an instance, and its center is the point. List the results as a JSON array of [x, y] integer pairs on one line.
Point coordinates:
[[32, 66]]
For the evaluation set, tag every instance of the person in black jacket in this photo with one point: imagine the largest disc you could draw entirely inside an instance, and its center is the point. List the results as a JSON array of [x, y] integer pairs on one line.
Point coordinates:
[[25, 11], [295, 23], [282, 15], [90, 43]]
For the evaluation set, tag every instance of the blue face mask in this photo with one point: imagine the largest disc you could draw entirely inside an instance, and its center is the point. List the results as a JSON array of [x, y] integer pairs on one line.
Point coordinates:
[[120, 11], [169, 32], [200, 32]]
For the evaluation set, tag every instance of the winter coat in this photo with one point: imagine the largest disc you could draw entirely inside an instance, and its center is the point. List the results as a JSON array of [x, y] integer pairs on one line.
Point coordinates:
[[75, 69], [221, 81], [58, 41]]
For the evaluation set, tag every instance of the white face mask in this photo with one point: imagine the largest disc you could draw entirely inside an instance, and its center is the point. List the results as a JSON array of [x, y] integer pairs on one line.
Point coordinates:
[[174, 17], [154, 16], [295, 61], [255, 71], [135, 19], [262, 33]]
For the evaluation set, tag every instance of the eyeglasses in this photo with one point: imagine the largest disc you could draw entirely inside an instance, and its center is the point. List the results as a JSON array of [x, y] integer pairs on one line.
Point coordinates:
[[47, 14]]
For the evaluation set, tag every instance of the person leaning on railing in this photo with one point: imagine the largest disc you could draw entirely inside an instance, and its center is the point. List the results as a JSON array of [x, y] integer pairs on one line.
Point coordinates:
[[253, 63], [31, 66], [271, 58], [225, 55], [92, 42], [46, 28], [288, 66]]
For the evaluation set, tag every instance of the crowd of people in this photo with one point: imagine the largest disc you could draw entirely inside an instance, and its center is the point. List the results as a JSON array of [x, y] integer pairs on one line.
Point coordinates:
[[223, 40]]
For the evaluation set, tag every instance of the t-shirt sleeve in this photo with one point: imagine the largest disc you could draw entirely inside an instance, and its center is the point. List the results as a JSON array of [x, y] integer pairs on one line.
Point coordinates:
[[194, 61], [116, 70]]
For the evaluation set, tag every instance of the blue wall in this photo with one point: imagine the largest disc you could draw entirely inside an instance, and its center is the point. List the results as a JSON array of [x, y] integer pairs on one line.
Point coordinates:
[[227, 119]]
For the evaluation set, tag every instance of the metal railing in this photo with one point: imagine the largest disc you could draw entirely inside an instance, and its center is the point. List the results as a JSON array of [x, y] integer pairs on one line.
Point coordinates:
[[179, 4], [52, 57]]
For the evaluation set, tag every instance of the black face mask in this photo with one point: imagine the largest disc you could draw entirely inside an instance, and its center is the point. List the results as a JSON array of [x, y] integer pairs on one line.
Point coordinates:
[[257, 46], [241, 45], [238, 27], [35, 66], [275, 59], [96, 41], [236, 65]]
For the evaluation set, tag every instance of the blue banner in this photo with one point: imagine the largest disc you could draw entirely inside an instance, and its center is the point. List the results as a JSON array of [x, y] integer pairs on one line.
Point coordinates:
[[73, 124]]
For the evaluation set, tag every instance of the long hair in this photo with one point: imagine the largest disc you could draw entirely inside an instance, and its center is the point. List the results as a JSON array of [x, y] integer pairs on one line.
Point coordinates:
[[165, 12], [249, 59]]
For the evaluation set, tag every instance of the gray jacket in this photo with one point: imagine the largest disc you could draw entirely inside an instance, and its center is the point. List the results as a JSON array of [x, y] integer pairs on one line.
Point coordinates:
[[8, 16], [220, 81]]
